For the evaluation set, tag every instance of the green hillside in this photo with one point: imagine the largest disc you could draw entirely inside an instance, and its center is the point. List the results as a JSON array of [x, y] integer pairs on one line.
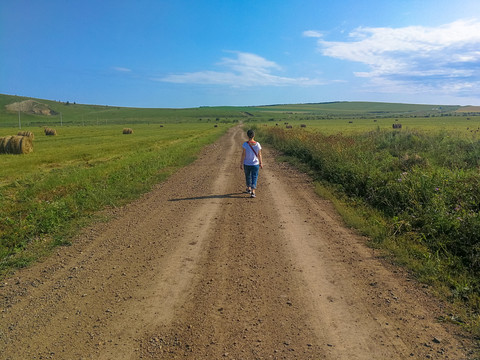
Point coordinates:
[[66, 113], [361, 108], [81, 114]]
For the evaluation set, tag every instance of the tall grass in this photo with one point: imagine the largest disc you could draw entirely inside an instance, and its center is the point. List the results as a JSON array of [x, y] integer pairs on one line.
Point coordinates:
[[426, 186]]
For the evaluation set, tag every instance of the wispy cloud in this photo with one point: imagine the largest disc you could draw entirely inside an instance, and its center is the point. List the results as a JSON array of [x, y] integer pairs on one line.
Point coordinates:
[[312, 33], [245, 69], [444, 59], [121, 69]]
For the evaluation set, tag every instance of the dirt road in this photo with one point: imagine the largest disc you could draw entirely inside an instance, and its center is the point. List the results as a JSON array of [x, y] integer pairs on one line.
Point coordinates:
[[197, 270]]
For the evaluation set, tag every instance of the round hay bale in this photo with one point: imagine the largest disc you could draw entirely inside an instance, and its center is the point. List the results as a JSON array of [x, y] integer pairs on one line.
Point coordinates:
[[16, 145], [27, 133], [3, 144], [49, 131], [26, 145], [127, 131], [21, 145]]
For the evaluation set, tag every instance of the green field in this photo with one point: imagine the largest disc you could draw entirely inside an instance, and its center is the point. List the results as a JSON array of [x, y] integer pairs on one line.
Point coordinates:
[[66, 114], [356, 108], [45, 196], [85, 147], [48, 194], [460, 125]]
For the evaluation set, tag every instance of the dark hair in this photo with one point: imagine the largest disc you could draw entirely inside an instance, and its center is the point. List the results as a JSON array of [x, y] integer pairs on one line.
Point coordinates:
[[250, 133]]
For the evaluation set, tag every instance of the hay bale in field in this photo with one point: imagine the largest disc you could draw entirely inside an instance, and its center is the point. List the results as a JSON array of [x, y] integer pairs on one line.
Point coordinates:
[[21, 144], [127, 131], [16, 144], [49, 131], [303, 125], [26, 133], [3, 144]]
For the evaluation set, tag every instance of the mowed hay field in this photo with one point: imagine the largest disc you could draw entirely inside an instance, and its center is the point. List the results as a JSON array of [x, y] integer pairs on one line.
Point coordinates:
[[47, 194], [459, 125], [86, 147]]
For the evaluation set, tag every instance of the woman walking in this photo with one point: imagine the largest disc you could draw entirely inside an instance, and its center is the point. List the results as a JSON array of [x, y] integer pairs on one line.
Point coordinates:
[[251, 162]]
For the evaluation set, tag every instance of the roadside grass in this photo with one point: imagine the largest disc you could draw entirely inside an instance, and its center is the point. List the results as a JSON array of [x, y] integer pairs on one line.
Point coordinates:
[[406, 251], [414, 193], [46, 196]]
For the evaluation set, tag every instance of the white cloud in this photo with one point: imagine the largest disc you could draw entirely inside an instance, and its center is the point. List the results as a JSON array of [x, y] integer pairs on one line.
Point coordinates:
[[121, 69], [444, 58], [312, 33], [245, 69]]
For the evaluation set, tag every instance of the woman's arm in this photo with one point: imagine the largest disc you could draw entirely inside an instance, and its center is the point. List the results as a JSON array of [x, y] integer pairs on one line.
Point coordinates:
[[260, 158], [243, 158]]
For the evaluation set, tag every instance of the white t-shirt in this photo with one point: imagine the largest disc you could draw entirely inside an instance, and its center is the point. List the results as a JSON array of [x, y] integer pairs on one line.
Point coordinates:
[[250, 158]]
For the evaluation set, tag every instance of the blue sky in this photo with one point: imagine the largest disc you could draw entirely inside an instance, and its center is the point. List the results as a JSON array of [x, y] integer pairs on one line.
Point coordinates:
[[186, 53]]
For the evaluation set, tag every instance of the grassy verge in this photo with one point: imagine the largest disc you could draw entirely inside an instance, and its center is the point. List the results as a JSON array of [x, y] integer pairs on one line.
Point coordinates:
[[47, 195], [408, 253], [415, 194]]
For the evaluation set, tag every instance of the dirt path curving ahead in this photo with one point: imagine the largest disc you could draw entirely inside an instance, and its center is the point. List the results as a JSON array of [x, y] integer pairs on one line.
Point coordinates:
[[197, 270]]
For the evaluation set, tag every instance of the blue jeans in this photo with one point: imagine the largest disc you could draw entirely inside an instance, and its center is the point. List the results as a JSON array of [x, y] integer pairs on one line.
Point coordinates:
[[251, 175]]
